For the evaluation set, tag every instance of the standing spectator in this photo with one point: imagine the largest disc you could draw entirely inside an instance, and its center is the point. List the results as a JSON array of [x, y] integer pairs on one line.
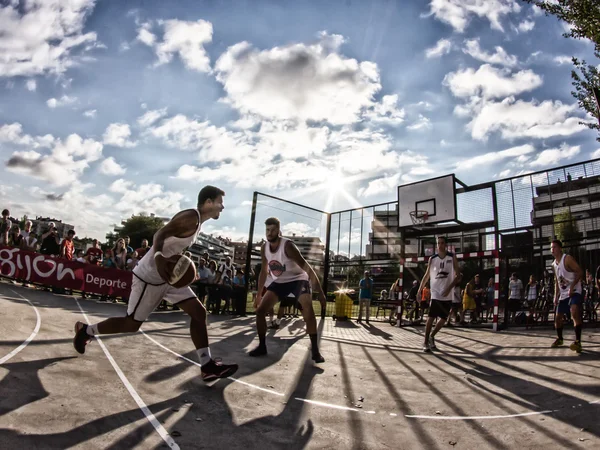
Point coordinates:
[[67, 247], [127, 246], [490, 293], [29, 243], [214, 299], [141, 252], [15, 237], [201, 280], [132, 260], [515, 296], [532, 293], [412, 299], [27, 230], [5, 226], [94, 253], [365, 295], [590, 296], [50, 242], [120, 254], [239, 293], [395, 294], [226, 289], [456, 309], [227, 265], [479, 297]]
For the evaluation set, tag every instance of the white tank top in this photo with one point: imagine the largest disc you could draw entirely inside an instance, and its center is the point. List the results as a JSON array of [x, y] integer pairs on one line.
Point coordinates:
[[565, 278], [146, 268], [441, 275], [280, 268]]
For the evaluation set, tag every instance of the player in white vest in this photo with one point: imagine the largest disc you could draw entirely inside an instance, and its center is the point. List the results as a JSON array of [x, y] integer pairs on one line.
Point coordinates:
[[567, 293], [149, 287], [285, 276], [443, 273]]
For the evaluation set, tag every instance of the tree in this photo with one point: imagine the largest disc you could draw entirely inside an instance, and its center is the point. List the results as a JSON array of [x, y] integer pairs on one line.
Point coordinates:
[[583, 17], [139, 228], [22, 221], [565, 229]]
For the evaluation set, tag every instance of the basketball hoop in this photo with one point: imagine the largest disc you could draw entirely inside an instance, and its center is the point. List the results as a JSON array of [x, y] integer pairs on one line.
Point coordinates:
[[419, 217]]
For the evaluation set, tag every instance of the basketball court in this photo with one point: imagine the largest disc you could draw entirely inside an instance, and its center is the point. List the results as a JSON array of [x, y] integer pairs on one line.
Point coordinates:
[[375, 390]]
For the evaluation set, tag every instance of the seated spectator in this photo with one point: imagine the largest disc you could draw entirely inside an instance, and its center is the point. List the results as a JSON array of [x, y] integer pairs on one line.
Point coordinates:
[[239, 293], [81, 258], [25, 232]]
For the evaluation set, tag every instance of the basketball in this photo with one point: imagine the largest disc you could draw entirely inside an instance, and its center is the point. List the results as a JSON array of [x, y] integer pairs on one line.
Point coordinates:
[[182, 271]]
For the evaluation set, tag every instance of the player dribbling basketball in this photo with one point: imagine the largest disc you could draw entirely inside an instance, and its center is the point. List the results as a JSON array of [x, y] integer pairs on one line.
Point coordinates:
[[149, 286]]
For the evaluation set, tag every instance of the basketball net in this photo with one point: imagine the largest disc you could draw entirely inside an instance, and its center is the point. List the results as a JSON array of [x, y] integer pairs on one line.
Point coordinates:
[[419, 218]]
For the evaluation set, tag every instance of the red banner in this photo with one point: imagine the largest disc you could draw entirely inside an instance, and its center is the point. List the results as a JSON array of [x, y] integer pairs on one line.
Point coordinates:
[[35, 268]]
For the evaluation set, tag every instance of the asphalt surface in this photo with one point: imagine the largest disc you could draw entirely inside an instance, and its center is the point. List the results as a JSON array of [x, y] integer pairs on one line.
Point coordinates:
[[376, 390]]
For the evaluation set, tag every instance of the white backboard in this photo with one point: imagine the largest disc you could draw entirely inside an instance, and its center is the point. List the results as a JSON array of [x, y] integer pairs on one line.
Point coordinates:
[[437, 196]]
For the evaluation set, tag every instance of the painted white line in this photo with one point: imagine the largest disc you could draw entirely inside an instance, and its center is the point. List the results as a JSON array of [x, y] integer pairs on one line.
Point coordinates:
[[270, 391], [594, 402], [506, 416], [151, 418], [327, 405], [31, 336]]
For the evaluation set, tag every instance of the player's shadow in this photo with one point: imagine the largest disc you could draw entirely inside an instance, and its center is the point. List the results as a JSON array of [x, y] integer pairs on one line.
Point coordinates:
[[377, 331], [21, 385]]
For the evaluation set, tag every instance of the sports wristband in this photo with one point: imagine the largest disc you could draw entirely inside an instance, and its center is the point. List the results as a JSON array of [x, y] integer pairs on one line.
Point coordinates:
[[158, 253]]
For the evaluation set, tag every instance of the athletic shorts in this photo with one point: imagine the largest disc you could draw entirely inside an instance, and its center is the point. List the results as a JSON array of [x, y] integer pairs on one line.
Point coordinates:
[[440, 308], [289, 293], [145, 297], [564, 306]]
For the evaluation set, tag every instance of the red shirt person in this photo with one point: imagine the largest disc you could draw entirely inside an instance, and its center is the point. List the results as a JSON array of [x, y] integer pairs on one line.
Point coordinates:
[[143, 249], [67, 248], [94, 253]]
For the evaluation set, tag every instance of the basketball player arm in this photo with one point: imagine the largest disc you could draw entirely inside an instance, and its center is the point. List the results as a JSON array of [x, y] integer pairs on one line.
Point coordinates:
[[294, 254], [182, 225], [572, 266]]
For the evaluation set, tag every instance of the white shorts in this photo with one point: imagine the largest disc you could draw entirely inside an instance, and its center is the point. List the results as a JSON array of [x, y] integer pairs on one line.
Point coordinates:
[[144, 297]]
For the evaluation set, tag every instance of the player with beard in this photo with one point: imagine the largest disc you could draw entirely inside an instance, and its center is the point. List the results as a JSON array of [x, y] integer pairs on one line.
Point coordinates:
[[285, 274], [444, 272]]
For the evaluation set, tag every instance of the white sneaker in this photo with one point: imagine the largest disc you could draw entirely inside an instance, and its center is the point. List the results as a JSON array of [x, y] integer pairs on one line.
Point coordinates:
[[426, 348], [432, 343]]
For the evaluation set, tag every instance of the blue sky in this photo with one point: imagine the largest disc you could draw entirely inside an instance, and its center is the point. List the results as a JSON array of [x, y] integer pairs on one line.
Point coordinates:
[[112, 108]]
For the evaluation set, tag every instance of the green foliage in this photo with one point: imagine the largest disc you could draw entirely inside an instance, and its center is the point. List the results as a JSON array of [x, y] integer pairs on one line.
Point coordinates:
[[583, 17], [139, 228], [22, 222], [565, 229]]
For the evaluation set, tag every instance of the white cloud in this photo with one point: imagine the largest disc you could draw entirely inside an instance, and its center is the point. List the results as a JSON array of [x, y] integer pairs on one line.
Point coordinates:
[[386, 111], [124, 46], [442, 47], [457, 13], [149, 117], [595, 154], [379, 186], [299, 229], [562, 59], [298, 81], [494, 157], [31, 85], [554, 156], [63, 165], [423, 123], [91, 113], [13, 134], [63, 101], [526, 26], [111, 167], [183, 38], [148, 198], [117, 134], [40, 36], [491, 82], [520, 119], [500, 57]]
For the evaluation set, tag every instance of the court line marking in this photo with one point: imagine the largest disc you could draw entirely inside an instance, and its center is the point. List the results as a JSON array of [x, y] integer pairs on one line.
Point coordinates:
[[503, 416], [31, 336], [149, 415], [270, 391]]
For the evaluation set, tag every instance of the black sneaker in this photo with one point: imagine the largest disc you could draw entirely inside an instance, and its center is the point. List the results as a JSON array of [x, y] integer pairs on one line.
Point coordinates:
[[81, 337], [261, 350], [318, 358], [274, 326], [215, 369]]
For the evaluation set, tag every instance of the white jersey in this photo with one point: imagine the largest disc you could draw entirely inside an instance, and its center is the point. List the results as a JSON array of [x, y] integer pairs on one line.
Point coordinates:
[[441, 275], [280, 268], [146, 268], [565, 278]]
